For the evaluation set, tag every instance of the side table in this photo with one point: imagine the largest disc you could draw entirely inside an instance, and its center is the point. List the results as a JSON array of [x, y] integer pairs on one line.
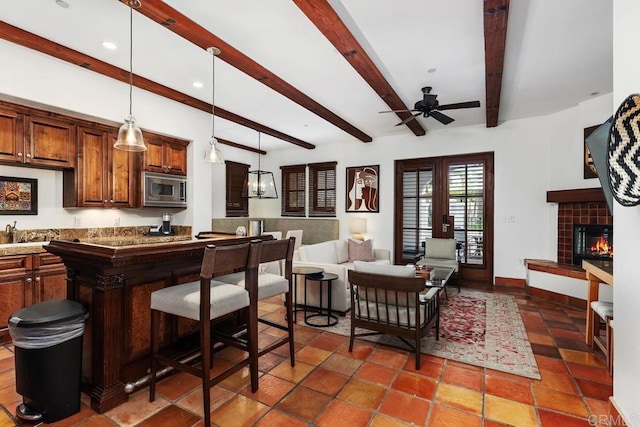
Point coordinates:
[[326, 278], [307, 272]]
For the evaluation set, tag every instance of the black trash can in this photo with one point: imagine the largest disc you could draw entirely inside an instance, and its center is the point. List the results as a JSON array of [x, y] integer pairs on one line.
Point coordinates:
[[48, 350]]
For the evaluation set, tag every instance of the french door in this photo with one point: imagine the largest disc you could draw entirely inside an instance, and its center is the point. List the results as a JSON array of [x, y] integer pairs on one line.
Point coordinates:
[[448, 197]]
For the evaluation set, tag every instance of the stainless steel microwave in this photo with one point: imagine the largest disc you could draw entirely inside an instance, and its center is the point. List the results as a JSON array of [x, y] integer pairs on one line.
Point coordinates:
[[164, 190]]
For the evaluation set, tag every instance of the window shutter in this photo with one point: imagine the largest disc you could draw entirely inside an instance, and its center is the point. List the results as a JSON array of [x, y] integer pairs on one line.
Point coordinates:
[[293, 190], [236, 206], [322, 189]]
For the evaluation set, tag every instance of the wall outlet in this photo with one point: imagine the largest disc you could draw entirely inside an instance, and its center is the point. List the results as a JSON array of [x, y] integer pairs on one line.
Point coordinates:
[[76, 221]]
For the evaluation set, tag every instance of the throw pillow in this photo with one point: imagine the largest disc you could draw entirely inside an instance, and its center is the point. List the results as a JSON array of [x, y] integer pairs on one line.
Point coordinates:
[[361, 250]]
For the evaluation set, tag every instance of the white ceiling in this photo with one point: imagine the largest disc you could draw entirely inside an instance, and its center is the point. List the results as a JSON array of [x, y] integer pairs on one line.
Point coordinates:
[[557, 54]]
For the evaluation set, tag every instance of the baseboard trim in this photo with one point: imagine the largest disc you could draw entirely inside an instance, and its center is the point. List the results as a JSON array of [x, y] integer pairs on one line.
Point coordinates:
[[510, 281], [615, 418]]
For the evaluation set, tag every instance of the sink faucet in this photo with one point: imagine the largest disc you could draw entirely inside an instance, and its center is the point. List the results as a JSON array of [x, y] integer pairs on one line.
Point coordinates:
[[13, 231]]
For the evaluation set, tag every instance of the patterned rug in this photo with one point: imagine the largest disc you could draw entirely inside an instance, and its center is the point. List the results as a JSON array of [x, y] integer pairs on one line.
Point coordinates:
[[478, 328]]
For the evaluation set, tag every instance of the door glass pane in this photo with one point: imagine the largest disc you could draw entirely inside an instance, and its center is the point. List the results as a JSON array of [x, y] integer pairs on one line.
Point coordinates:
[[417, 209], [466, 205]]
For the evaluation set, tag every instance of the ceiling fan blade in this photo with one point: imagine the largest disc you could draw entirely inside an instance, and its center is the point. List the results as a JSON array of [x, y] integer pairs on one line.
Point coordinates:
[[408, 119], [468, 104], [395, 111], [442, 118]]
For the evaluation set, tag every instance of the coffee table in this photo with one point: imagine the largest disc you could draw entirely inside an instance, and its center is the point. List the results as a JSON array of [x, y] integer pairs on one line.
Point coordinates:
[[439, 278]]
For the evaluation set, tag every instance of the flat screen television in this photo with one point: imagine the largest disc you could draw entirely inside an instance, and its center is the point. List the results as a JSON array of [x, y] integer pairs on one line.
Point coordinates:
[[598, 143]]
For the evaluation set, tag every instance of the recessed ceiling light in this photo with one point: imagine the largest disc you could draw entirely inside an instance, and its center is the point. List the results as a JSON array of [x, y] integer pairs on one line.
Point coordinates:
[[109, 45], [431, 70], [62, 3], [197, 84], [595, 93]]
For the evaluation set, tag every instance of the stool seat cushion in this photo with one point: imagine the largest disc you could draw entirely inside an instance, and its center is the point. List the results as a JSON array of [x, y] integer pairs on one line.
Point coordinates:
[[269, 284], [602, 308], [184, 300]]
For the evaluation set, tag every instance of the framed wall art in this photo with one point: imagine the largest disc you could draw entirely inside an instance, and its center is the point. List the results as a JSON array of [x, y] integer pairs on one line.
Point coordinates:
[[18, 196], [362, 189]]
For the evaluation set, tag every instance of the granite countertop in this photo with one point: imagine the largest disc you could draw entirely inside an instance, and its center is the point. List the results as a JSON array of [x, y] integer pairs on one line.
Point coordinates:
[[39, 247]]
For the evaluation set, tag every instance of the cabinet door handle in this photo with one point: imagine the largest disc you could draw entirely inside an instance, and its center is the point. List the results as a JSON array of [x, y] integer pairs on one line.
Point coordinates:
[[111, 201], [20, 154], [29, 280], [37, 278], [29, 156], [106, 201]]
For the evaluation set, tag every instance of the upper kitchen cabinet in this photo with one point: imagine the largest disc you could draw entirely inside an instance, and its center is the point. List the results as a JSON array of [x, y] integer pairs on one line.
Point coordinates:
[[32, 138], [104, 176], [165, 155]]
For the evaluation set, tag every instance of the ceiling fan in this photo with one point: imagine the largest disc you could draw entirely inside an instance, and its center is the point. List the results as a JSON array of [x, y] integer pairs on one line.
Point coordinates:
[[429, 106]]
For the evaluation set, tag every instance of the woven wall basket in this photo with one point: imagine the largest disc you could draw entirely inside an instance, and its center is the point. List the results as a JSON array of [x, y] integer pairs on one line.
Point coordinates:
[[624, 152]]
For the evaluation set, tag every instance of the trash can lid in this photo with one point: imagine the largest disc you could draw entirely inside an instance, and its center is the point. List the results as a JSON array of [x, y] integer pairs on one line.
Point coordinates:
[[47, 312]]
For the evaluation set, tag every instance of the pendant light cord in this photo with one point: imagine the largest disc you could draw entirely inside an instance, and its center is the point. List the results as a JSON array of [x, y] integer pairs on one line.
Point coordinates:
[[131, 58], [259, 157], [213, 91]]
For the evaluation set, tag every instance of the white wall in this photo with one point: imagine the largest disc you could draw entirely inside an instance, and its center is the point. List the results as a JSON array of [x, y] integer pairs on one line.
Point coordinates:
[[57, 85], [626, 380]]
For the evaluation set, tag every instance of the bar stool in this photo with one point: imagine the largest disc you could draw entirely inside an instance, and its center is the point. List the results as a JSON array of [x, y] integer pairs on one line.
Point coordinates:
[[270, 285], [603, 312], [210, 299]]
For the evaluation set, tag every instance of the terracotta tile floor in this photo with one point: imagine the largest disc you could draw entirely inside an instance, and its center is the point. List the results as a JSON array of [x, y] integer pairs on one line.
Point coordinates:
[[374, 385]]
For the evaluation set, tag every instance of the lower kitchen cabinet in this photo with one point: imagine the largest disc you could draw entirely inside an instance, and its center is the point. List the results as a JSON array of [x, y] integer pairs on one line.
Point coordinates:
[[26, 280]]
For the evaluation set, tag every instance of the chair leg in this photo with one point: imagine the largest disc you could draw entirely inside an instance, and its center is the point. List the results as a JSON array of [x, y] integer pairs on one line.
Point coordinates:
[[155, 323], [417, 338], [205, 353], [353, 330], [288, 302], [252, 332]]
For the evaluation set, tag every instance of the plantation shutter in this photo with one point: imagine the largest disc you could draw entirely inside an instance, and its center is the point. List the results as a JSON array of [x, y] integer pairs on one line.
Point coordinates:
[[322, 189], [293, 190]]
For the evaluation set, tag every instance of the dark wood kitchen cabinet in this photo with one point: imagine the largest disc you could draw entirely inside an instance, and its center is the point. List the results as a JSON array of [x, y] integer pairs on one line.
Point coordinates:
[[26, 280], [165, 155], [104, 176], [28, 137]]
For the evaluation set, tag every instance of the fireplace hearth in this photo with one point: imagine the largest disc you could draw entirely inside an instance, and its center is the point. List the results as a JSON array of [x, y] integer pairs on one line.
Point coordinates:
[[593, 242]]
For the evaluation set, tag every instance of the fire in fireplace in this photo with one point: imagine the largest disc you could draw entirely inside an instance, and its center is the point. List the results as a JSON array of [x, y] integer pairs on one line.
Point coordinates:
[[592, 242]]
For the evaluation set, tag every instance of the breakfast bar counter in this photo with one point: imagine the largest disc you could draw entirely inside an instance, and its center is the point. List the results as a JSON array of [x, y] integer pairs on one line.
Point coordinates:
[[115, 279]]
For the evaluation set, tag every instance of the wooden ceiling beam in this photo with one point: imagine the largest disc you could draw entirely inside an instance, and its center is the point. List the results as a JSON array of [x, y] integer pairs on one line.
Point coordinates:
[[241, 146], [170, 18], [325, 18], [32, 41], [496, 13]]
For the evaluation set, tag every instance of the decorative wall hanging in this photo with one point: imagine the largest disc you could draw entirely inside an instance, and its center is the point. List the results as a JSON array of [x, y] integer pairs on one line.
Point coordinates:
[[18, 196], [362, 189], [624, 152]]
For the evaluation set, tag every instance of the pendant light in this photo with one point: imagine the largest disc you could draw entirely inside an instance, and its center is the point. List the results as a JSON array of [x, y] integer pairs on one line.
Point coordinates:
[[259, 184], [129, 135], [213, 154]]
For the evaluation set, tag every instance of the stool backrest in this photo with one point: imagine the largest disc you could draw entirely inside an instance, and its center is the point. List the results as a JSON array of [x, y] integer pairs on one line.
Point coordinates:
[[274, 250]]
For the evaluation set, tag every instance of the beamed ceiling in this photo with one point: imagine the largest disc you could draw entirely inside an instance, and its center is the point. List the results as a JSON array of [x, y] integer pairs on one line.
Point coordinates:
[[309, 72]]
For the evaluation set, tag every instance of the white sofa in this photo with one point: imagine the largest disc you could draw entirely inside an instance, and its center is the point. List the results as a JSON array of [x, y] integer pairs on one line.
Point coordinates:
[[333, 257]]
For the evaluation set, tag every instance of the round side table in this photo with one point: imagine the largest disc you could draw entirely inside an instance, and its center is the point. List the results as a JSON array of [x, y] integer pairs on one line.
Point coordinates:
[[307, 272], [331, 320]]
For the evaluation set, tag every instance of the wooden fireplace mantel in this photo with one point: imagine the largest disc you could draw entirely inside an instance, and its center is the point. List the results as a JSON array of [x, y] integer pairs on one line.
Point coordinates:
[[576, 196]]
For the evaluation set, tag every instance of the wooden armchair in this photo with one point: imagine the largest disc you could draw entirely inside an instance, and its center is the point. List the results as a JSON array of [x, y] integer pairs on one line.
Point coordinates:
[[394, 303]]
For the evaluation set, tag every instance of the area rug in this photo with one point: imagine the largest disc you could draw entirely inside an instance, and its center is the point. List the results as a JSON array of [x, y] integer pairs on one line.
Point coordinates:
[[478, 328]]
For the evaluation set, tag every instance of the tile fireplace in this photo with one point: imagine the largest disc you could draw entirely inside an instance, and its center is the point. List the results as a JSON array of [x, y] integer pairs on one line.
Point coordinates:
[[592, 241]]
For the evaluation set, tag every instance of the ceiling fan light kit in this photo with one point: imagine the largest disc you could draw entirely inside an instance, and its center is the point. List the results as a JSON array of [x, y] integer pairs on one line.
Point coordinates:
[[129, 135], [213, 153], [429, 106]]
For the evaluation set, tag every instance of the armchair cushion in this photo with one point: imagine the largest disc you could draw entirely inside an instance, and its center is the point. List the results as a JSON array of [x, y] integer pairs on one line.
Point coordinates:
[[440, 248]]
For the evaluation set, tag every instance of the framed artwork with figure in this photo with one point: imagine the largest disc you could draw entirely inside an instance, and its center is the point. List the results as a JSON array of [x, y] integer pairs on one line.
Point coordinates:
[[362, 189]]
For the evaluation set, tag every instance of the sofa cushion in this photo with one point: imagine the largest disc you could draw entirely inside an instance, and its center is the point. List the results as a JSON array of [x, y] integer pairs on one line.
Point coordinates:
[[320, 252], [388, 270], [342, 251], [361, 250]]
